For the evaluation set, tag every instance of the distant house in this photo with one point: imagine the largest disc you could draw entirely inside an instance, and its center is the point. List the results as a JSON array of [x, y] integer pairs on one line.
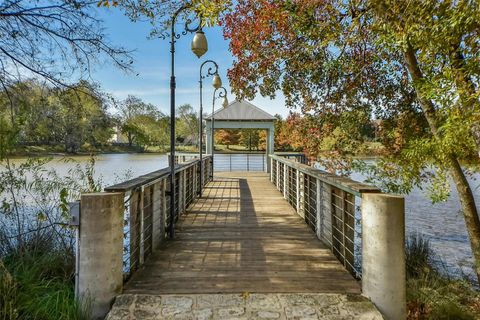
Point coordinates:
[[377, 127], [117, 136]]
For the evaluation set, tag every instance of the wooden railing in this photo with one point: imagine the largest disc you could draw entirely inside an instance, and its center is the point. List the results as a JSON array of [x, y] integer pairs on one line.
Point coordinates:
[[363, 227], [328, 203], [129, 220], [147, 206]]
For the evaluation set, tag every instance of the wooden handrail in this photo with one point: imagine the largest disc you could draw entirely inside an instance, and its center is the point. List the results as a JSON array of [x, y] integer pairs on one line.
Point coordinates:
[[150, 177], [343, 183]]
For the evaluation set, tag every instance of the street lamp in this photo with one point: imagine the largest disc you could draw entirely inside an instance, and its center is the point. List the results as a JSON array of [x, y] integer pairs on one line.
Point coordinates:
[[199, 47], [217, 83], [221, 94]]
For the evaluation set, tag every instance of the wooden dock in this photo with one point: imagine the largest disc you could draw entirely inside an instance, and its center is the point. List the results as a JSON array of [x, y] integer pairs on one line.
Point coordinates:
[[242, 236]]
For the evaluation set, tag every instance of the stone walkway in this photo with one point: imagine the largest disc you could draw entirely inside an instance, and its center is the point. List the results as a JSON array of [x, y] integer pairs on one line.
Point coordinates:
[[244, 306]]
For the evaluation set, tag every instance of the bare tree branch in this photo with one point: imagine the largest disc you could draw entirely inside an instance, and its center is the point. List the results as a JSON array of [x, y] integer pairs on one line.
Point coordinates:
[[57, 40]]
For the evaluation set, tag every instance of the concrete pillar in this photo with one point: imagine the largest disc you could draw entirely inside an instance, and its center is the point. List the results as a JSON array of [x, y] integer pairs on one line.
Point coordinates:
[[383, 253], [100, 273]]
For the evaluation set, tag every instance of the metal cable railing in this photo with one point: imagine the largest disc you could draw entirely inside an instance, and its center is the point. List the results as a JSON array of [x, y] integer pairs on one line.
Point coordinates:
[[329, 204], [146, 215]]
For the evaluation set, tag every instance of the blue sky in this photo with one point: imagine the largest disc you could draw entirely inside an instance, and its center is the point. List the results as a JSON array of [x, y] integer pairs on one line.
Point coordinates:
[[152, 63]]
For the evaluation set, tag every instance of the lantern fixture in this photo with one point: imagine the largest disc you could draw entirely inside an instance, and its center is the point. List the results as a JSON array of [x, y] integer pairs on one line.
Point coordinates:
[[199, 43]]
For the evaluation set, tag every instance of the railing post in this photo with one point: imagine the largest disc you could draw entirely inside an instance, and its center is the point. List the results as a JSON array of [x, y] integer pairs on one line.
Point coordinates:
[[319, 208], [383, 253], [183, 179], [100, 274], [298, 191], [285, 181], [278, 175], [164, 206], [142, 227], [158, 217], [327, 228], [271, 171]]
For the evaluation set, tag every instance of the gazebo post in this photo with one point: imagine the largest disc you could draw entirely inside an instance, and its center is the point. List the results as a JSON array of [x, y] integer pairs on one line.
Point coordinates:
[[208, 138], [270, 144]]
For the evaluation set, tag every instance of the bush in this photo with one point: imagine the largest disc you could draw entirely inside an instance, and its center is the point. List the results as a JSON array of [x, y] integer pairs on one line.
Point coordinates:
[[419, 256], [431, 293], [37, 282]]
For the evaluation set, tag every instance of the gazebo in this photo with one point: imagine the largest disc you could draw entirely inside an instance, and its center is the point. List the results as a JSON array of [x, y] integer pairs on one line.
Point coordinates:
[[242, 115]]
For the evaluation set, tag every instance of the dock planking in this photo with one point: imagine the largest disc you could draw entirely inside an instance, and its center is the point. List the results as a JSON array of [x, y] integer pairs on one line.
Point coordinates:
[[242, 236]]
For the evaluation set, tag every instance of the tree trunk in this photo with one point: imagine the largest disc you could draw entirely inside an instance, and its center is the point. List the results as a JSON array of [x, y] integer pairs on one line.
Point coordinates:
[[130, 139], [464, 190], [469, 209]]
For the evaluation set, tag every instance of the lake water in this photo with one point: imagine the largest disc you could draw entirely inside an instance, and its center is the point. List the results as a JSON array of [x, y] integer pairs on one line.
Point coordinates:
[[442, 223]]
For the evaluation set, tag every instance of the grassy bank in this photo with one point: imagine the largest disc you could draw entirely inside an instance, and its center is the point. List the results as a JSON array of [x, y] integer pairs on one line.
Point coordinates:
[[43, 150], [37, 282], [46, 150], [431, 293]]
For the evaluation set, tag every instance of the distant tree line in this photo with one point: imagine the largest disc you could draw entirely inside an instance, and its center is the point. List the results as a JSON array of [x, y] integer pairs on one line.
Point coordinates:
[[83, 118], [290, 135]]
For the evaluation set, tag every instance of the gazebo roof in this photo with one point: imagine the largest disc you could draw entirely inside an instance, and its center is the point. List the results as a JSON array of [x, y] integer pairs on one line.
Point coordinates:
[[241, 111]]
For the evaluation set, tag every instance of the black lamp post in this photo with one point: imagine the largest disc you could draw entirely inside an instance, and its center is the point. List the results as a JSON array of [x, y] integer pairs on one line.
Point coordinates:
[[199, 47], [217, 83], [221, 94]]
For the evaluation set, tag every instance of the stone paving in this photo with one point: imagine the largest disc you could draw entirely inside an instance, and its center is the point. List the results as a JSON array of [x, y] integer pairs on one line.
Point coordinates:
[[244, 306]]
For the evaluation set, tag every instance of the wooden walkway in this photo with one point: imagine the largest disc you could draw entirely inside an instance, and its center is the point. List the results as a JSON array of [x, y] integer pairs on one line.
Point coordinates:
[[242, 236]]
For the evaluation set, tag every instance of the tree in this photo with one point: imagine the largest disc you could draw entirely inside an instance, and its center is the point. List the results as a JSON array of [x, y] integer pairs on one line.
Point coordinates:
[[159, 12], [250, 138], [187, 124], [44, 115], [83, 116], [138, 120], [285, 133], [414, 66], [227, 137], [57, 41]]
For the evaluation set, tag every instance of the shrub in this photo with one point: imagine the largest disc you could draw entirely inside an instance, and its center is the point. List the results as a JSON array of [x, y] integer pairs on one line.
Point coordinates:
[[37, 282], [431, 293]]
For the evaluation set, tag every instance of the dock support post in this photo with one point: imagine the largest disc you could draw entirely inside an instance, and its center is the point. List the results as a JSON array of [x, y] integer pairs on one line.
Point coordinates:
[[383, 253], [100, 274]]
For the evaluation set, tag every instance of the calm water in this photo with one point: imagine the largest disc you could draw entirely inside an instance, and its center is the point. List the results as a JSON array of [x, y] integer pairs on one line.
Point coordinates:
[[441, 223]]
